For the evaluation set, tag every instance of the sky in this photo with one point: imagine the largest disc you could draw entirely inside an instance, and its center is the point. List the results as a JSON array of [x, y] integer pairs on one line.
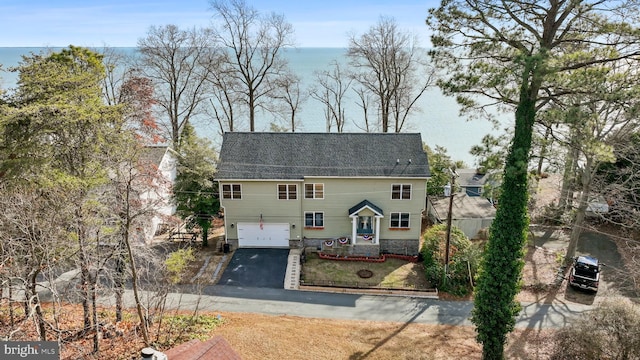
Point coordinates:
[[99, 23]]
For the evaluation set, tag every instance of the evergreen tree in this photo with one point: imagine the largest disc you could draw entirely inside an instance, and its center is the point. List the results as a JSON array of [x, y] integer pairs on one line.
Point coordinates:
[[195, 191], [57, 135]]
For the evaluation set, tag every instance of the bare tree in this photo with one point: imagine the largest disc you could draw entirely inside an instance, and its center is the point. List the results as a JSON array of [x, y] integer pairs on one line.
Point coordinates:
[[31, 230], [387, 65], [288, 98], [330, 89], [597, 119], [254, 46], [225, 99], [179, 62], [118, 67]]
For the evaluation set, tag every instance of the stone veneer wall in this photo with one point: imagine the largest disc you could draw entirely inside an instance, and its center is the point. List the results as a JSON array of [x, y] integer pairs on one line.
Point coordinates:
[[366, 250], [401, 247], [389, 246]]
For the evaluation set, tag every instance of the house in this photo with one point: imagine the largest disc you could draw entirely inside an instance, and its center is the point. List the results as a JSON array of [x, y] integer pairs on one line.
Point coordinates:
[[160, 162], [362, 192], [471, 214], [471, 181]]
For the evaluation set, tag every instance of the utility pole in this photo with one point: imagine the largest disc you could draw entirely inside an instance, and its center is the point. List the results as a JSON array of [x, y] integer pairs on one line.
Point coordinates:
[[449, 216]]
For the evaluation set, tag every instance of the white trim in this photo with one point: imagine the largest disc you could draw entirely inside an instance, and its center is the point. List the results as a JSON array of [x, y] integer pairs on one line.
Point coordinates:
[[287, 191], [259, 180], [314, 191], [399, 220], [402, 186], [231, 185], [304, 218], [405, 178]]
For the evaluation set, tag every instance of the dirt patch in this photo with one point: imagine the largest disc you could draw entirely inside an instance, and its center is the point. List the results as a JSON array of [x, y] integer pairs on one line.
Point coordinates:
[[540, 281]]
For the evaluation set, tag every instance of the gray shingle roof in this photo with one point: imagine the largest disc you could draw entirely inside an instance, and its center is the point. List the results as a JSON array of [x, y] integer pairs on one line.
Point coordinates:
[[471, 177], [464, 207], [258, 155], [153, 154], [365, 203]]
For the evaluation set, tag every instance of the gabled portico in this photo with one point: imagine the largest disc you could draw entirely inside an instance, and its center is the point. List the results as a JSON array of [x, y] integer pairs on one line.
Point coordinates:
[[365, 222]]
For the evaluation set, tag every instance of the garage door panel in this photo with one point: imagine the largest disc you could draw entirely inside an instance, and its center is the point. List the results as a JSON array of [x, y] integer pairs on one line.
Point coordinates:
[[267, 235]]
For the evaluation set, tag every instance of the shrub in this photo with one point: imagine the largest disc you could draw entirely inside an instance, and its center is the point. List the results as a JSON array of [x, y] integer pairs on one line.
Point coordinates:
[[463, 256], [611, 331], [182, 328], [177, 262]]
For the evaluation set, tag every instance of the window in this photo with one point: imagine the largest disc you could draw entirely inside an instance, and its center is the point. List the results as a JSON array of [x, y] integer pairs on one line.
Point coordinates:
[[399, 220], [314, 219], [314, 191], [401, 191], [287, 191], [231, 191]]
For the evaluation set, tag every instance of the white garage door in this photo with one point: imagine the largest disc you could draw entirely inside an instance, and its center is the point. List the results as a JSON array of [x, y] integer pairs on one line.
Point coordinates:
[[269, 235]]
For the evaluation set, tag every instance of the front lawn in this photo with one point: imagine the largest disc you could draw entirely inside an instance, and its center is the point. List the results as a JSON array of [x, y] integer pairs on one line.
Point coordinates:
[[393, 273]]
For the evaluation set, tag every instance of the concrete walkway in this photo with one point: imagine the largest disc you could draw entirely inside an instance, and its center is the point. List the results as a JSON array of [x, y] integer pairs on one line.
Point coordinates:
[[292, 275]]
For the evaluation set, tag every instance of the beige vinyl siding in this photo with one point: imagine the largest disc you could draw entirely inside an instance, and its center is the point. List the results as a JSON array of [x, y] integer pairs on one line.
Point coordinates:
[[262, 198], [342, 194]]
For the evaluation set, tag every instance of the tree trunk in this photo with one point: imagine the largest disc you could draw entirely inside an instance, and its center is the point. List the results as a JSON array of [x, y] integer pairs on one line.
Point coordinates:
[[85, 279], [580, 213], [568, 176], [543, 152], [494, 306], [96, 324], [134, 280], [119, 280], [34, 300], [205, 236]]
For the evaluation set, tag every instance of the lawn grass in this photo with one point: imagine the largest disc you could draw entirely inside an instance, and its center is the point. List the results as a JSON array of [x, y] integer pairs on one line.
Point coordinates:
[[392, 273]]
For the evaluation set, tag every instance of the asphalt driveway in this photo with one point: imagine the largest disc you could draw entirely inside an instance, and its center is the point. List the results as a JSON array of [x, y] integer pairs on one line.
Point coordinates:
[[256, 268]]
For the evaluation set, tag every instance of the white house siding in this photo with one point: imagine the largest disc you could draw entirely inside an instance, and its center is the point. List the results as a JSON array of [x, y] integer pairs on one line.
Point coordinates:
[[161, 195]]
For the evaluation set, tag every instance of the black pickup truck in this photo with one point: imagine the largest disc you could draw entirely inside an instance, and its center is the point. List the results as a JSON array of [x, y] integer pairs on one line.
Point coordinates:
[[585, 273]]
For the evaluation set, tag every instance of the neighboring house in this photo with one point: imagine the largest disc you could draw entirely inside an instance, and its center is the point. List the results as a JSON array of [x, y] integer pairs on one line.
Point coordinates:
[[161, 162], [471, 214], [364, 192], [471, 181]]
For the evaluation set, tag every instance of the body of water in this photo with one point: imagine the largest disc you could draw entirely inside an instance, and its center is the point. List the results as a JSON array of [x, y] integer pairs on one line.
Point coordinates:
[[438, 120]]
